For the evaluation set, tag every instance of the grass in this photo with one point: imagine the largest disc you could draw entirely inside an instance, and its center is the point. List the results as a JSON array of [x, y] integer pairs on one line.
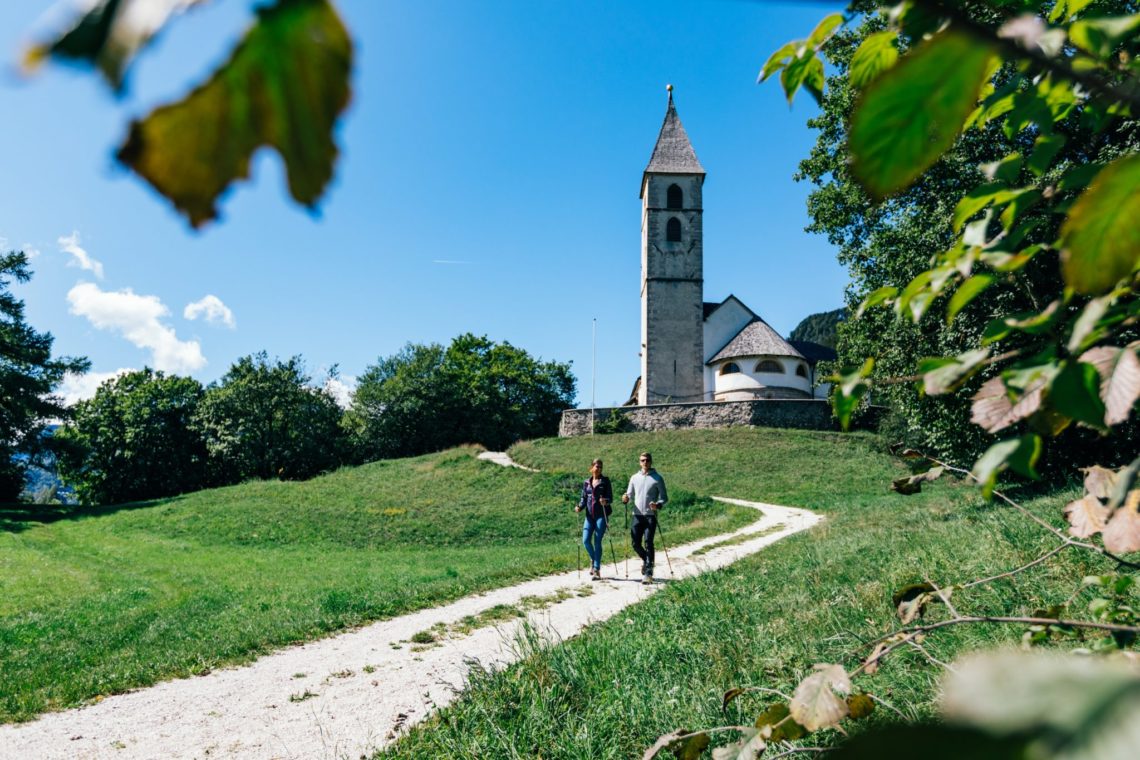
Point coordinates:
[[815, 597], [742, 539], [118, 598]]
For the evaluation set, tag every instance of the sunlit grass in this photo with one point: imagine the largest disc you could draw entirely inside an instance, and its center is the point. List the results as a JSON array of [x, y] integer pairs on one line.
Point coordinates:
[[126, 596], [764, 621]]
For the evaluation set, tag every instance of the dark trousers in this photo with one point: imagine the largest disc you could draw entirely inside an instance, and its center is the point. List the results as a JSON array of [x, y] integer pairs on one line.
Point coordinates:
[[644, 527]]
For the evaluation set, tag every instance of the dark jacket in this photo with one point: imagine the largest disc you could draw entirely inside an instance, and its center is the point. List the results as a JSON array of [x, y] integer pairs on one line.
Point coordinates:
[[591, 496]]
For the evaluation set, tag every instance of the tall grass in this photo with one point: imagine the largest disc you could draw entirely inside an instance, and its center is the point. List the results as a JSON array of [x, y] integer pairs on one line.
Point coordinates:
[[764, 621], [119, 598]]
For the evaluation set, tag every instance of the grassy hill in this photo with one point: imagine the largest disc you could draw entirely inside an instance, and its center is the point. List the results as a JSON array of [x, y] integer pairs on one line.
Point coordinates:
[[121, 597], [814, 597]]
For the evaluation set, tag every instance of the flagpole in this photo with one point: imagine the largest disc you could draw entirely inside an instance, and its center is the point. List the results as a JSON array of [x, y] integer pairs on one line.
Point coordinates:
[[594, 376]]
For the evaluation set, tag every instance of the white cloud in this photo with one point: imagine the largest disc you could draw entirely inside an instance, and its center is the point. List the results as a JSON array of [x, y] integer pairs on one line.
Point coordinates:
[[341, 390], [70, 244], [81, 387], [138, 319], [212, 308], [31, 251]]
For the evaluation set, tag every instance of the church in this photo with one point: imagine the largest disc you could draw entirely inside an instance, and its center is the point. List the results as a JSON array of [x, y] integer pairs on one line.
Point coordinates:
[[693, 350]]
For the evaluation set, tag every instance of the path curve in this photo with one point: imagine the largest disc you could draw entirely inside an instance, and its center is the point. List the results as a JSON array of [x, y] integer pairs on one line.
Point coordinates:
[[354, 693]]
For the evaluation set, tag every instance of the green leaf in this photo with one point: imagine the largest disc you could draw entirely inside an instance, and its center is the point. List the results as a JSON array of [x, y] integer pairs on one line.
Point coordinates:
[[912, 113], [1020, 454], [1075, 393], [778, 60], [806, 70], [848, 390], [875, 54], [1086, 325], [824, 29], [941, 376], [976, 200], [967, 292], [1100, 238], [284, 87], [875, 298], [108, 34], [1099, 36], [1020, 201], [1006, 170], [784, 729], [1079, 177], [1045, 149]]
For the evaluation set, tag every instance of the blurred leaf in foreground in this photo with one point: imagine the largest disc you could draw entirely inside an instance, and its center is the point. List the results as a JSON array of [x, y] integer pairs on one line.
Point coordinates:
[[284, 87]]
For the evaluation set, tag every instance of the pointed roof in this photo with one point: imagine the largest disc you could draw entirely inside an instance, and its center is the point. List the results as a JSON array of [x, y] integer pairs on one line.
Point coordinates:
[[673, 153], [756, 338]]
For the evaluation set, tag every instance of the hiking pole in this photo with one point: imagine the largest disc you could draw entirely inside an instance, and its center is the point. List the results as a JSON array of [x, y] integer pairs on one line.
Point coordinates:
[[661, 535], [613, 553], [625, 511], [579, 545]]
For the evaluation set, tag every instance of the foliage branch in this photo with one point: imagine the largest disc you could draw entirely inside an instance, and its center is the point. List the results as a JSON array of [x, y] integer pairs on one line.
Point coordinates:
[[927, 76]]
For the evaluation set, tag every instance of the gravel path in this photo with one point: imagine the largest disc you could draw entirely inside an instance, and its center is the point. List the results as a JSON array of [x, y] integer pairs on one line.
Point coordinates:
[[348, 695]]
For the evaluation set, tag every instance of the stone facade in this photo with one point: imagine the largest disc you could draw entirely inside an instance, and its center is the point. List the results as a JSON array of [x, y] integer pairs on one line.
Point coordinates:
[[803, 414]]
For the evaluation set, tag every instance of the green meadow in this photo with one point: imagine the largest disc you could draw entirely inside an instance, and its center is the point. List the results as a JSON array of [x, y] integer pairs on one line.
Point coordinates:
[[115, 598], [816, 597]]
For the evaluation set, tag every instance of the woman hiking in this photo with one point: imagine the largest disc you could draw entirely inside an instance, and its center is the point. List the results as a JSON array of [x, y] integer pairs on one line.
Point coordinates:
[[597, 496]]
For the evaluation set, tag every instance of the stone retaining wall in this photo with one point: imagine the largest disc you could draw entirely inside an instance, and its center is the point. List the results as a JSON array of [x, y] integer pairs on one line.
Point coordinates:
[[804, 414]]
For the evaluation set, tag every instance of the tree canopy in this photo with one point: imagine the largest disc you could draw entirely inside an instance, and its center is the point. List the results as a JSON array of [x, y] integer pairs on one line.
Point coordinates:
[[135, 440], [427, 397], [29, 376], [264, 420]]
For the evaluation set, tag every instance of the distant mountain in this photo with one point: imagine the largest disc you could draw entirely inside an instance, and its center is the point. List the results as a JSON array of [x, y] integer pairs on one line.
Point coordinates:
[[820, 328]]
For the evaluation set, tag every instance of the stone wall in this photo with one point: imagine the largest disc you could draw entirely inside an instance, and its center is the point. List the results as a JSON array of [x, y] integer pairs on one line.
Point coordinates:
[[805, 414]]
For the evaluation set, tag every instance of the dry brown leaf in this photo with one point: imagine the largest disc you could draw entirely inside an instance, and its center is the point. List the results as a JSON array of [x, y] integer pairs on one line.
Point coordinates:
[[1099, 482], [1086, 516], [819, 700], [1119, 379], [993, 409], [1122, 534]]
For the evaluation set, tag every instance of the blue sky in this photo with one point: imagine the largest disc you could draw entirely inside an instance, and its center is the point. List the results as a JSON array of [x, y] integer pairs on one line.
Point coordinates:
[[489, 179]]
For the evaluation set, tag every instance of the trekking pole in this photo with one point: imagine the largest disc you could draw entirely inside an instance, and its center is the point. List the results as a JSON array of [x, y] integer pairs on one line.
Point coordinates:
[[661, 535], [579, 545], [613, 554], [625, 511]]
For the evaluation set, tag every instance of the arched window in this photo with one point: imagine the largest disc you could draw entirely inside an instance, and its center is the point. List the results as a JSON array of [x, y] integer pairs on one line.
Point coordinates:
[[769, 366], [673, 230], [729, 368], [801, 370], [674, 197]]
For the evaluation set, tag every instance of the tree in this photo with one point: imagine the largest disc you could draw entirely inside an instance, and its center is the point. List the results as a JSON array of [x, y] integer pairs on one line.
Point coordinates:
[[134, 440], [265, 420], [28, 377], [821, 328], [888, 242], [427, 398]]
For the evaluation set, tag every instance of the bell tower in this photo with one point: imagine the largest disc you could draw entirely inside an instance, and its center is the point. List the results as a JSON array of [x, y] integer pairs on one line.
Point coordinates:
[[672, 274]]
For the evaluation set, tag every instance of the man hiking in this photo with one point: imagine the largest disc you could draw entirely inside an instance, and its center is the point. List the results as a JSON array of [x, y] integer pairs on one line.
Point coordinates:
[[647, 488]]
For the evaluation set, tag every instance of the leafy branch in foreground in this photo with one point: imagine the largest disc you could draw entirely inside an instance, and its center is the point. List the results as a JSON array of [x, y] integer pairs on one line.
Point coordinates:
[[285, 86], [1049, 225]]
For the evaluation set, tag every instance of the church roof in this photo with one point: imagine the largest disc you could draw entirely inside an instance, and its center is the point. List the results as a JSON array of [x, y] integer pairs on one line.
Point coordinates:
[[673, 153], [756, 338]]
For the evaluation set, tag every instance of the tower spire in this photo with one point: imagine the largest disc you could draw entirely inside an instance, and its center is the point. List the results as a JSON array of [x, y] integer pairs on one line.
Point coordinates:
[[673, 153]]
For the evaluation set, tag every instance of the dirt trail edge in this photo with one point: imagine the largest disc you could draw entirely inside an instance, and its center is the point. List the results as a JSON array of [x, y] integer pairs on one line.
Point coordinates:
[[351, 694]]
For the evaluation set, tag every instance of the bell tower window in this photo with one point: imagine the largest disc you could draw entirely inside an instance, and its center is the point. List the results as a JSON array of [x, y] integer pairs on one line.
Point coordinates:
[[675, 199], [673, 230]]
